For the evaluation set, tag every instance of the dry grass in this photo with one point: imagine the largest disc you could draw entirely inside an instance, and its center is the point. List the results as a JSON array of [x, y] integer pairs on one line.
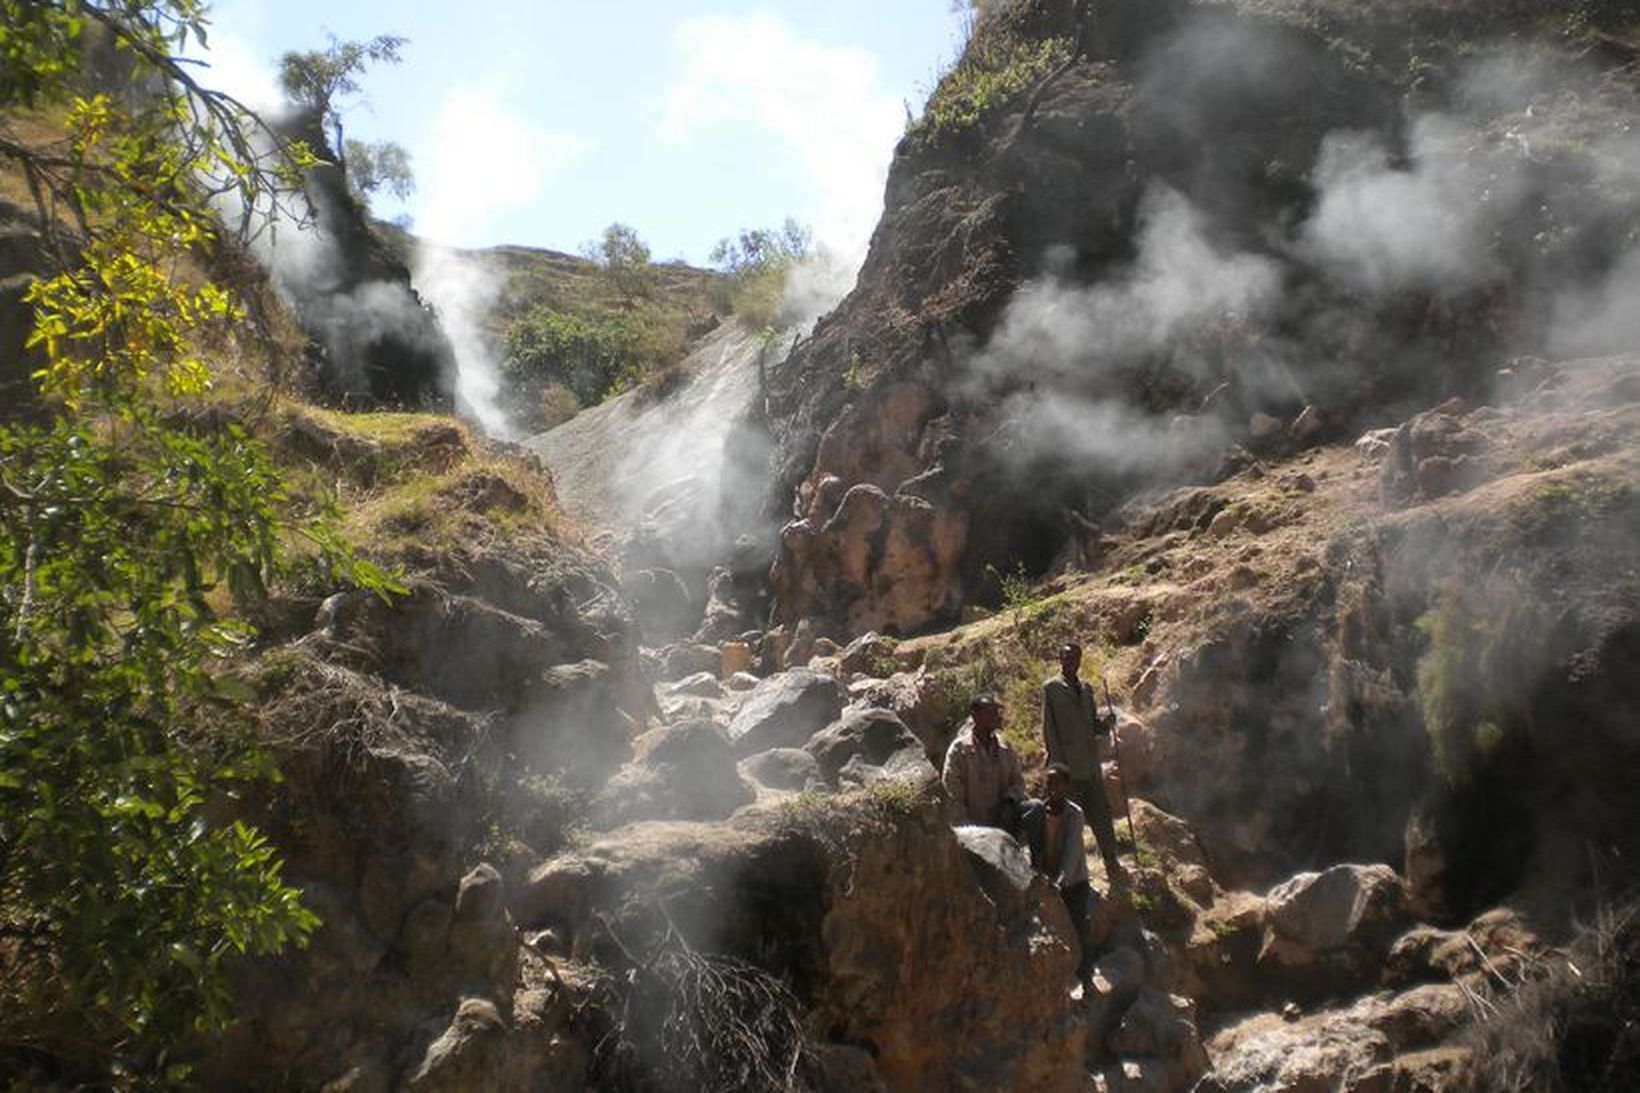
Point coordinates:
[[689, 1020], [1569, 1021]]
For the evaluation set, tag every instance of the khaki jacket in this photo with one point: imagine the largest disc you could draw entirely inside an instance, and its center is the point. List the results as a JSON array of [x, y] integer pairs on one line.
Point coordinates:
[[978, 780], [1071, 726]]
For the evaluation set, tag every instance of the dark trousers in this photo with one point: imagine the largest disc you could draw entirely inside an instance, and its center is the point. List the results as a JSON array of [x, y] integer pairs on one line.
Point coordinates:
[[1090, 794], [1076, 899]]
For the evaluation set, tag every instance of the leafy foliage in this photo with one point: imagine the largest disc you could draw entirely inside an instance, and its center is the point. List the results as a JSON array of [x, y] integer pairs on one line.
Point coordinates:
[[132, 521], [757, 262], [585, 354], [315, 79], [1487, 645], [624, 259], [380, 165]]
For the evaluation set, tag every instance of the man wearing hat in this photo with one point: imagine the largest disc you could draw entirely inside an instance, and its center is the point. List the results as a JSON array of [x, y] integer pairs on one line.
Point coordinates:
[[982, 774]]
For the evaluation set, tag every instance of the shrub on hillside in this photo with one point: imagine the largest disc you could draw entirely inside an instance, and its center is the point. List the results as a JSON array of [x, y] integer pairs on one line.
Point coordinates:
[[757, 263]]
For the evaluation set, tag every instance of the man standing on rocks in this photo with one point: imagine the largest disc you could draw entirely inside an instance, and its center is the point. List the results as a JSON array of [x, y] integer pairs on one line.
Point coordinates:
[[1071, 727], [982, 775], [1053, 834]]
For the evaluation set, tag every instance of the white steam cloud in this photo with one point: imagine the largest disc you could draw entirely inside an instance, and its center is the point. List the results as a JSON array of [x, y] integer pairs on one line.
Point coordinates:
[[1452, 210], [1179, 283], [1426, 226], [825, 103], [1066, 341], [491, 162]]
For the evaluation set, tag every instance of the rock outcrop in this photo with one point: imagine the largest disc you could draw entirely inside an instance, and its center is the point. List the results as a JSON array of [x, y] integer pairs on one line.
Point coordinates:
[[373, 341], [938, 952]]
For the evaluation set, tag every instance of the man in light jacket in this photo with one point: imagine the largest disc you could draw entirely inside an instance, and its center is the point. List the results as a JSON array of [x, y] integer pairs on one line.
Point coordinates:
[[1071, 727], [982, 775], [1053, 835]]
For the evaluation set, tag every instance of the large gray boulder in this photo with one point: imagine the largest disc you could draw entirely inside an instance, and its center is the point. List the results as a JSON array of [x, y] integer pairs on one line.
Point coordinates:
[[1330, 932], [790, 769], [684, 772], [785, 710], [869, 745]]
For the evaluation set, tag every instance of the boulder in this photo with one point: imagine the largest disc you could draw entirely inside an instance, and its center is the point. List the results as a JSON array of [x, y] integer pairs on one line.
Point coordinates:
[[785, 710], [481, 937], [879, 561], [786, 769], [1313, 1055], [1220, 960], [685, 772], [699, 685], [572, 723], [472, 1053], [868, 738], [1160, 1028], [662, 602], [930, 711], [687, 659], [458, 648], [883, 921], [870, 654], [1328, 932]]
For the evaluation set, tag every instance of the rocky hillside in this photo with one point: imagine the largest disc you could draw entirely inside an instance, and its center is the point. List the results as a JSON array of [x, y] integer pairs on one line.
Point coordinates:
[[1278, 351], [1378, 784], [1127, 238]]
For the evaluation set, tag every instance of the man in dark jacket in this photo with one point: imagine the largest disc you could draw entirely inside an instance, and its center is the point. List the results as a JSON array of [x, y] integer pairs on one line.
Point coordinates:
[[1053, 835], [1071, 727]]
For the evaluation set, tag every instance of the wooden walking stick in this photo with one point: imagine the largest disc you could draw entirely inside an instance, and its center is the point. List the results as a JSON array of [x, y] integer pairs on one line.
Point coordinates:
[[1121, 783]]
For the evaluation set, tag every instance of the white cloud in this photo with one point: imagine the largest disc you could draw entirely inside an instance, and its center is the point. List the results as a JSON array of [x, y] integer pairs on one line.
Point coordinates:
[[824, 101], [482, 162]]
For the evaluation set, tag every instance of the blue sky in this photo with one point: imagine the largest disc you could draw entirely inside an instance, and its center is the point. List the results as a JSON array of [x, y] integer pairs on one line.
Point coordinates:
[[540, 123]]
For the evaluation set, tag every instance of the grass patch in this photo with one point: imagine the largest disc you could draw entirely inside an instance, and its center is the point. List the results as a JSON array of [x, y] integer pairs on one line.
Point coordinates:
[[995, 69]]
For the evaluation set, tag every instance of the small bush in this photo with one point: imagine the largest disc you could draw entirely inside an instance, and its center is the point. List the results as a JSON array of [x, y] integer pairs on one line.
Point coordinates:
[[993, 71]]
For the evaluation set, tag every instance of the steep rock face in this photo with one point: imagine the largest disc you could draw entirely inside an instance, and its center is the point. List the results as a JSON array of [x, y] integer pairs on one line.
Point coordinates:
[[678, 485], [404, 733], [937, 951], [373, 341], [1075, 294], [1384, 692]]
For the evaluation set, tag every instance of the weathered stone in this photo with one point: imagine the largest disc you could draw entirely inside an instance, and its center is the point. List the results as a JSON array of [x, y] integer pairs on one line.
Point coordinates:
[[425, 936], [472, 1053], [662, 603], [1161, 1028], [700, 685], [1262, 425], [572, 722], [878, 562], [1314, 1055], [870, 653], [741, 681], [785, 710], [685, 772], [871, 737], [1330, 931], [687, 658], [876, 940], [482, 938], [932, 712], [1418, 1018], [788, 769]]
